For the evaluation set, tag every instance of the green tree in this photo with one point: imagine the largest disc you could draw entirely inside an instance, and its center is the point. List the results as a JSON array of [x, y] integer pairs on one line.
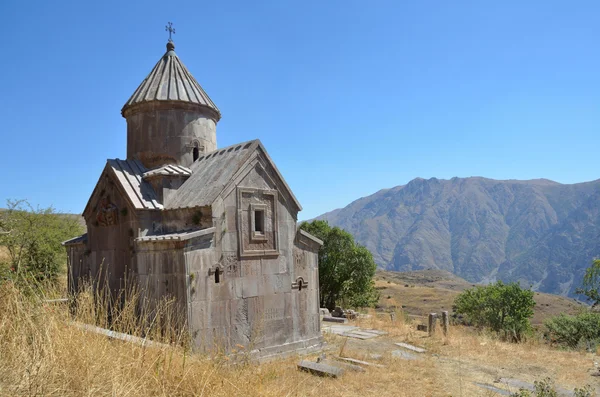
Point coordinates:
[[591, 283], [582, 329], [501, 307], [346, 269], [32, 238]]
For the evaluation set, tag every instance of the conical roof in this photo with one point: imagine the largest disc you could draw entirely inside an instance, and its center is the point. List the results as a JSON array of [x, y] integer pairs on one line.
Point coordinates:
[[170, 81]]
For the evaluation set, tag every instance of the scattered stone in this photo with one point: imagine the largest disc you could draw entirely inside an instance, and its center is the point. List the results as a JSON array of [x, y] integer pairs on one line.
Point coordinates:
[[320, 369], [404, 355], [321, 358], [359, 362], [335, 319], [345, 365], [422, 327], [445, 322], [374, 331], [337, 312], [324, 312], [359, 334], [411, 347], [432, 323], [338, 329]]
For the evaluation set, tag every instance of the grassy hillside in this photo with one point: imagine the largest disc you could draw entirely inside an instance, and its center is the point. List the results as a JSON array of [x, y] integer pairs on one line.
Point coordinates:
[[421, 292]]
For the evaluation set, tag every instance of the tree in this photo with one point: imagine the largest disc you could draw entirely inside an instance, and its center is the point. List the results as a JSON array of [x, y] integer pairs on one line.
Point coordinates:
[[502, 307], [591, 283], [33, 239], [346, 269]]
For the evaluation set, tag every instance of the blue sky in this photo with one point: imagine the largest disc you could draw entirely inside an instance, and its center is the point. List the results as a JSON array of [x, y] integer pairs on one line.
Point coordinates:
[[349, 97]]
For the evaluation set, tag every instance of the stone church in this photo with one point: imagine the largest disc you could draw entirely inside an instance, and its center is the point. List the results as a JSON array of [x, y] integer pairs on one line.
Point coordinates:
[[213, 228]]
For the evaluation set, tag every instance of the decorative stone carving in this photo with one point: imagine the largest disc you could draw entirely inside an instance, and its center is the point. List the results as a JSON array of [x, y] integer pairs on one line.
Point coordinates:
[[107, 214], [299, 284], [258, 230]]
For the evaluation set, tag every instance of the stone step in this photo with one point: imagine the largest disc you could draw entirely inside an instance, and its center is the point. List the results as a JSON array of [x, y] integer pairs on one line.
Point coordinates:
[[320, 369]]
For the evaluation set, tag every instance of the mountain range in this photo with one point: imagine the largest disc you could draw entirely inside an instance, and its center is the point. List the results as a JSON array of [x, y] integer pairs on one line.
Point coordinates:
[[538, 232]]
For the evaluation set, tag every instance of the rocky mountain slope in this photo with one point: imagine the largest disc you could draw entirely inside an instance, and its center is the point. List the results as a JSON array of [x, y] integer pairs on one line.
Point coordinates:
[[538, 232]]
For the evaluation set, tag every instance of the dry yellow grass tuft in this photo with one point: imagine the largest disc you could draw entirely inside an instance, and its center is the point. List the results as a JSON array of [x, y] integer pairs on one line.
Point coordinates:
[[42, 353], [3, 254]]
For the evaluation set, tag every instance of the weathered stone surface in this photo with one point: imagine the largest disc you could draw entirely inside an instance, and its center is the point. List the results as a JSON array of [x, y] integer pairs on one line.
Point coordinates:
[[411, 347], [345, 365], [335, 319], [320, 369], [404, 355], [359, 362], [215, 230]]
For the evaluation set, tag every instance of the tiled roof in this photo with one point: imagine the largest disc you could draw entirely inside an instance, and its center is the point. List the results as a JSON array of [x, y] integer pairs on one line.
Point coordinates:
[[170, 80], [168, 170], [76, 240], [129, 173], [178, 236]]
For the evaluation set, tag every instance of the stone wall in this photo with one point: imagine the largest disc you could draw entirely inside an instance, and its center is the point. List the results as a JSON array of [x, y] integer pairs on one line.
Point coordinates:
[[255, 301], [159, 133], [78, 267], [112, 225]]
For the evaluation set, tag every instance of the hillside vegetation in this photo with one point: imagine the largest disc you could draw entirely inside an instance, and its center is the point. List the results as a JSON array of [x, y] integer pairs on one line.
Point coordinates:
[[419, 293], [538, 232], [43, 352]]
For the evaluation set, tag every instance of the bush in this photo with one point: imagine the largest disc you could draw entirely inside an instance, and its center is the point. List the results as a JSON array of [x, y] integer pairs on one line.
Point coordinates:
[[32, 239], [545, 388], [504, 308], [582, 329]]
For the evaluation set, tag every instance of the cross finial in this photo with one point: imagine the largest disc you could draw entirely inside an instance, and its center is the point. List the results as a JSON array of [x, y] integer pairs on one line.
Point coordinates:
[[169, 28]]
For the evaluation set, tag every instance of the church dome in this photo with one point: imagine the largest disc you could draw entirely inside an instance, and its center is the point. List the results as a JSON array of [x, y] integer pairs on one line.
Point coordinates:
[[170, 82]]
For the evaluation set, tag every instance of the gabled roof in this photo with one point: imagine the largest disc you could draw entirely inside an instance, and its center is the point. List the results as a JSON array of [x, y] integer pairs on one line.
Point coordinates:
[[212, 172], [128, 174], [76, 240], [170, 80], [168, 170]]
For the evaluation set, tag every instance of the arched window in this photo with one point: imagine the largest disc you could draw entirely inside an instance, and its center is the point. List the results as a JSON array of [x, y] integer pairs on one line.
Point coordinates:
[[196, 153]]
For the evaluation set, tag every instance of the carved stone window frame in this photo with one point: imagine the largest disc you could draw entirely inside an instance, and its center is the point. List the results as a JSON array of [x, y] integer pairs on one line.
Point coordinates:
[[257, 237]]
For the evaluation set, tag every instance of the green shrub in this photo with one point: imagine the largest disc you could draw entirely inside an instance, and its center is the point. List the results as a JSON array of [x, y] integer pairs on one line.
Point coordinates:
[[582, 329], [545, 388], [32, 239], [504, 308]]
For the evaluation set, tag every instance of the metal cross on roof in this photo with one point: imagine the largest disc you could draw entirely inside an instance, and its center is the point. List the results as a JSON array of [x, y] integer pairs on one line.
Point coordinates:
[[169, 28]]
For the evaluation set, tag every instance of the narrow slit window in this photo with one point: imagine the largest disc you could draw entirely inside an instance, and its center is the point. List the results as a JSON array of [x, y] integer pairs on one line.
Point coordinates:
[[259, 222], [196, 153], [299, 285], [217, 275]]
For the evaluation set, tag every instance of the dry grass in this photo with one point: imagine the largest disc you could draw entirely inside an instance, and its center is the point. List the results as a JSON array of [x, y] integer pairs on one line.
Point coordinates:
[[41, 353], [3, 254], [422, 292]]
